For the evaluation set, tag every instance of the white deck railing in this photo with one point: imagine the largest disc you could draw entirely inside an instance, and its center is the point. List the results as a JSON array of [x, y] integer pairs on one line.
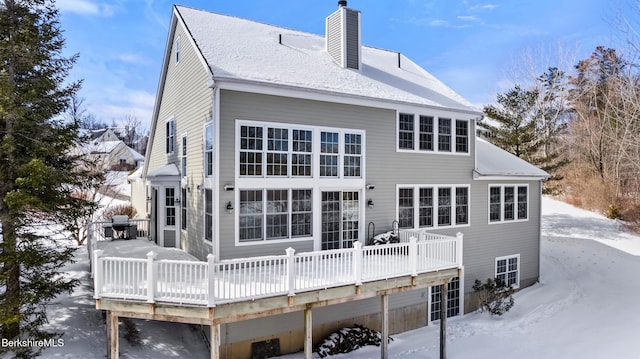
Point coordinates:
[[210, 283]]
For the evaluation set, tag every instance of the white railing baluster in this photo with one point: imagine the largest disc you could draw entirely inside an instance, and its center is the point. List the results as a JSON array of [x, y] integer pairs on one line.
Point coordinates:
[[357, 262], [291, 271], [211, 280], [151, 277], [413, 256], [99, 269]]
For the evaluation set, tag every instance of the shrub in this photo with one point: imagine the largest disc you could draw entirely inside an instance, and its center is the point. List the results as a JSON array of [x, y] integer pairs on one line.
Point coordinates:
[[131, 332], [348, 339], [121, 209], [613, 212], [494, 296]]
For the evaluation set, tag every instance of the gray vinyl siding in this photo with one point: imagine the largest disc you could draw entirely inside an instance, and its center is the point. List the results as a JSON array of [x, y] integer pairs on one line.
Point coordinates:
[[487, 241], [385, 167], [352, 39], [188, 100], [334, 36]]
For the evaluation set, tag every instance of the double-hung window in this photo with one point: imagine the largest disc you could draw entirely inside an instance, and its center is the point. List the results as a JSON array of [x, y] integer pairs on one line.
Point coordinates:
[[329, 154], [352, 155], [508, 203], [405, 131], [432, 134], [508, 270], [444, 135], [433, 206]]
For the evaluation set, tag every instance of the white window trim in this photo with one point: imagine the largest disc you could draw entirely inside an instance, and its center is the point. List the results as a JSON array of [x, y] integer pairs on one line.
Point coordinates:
[[416, 204], [515, 203], [204, 150], [176, 207], [168, 135], [204, 215], [517, 256], [183, 204], [183, 156], [435, 133]]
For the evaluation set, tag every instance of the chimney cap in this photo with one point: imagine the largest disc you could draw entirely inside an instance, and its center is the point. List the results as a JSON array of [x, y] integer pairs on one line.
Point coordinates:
[[342, 3]]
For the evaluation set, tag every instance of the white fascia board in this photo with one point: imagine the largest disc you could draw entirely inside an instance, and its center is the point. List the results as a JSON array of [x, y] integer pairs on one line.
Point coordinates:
[[502, 177]]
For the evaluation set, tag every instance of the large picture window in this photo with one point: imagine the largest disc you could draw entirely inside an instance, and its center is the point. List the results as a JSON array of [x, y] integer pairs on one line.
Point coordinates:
[[433, 134], [270, 214], [283, 150], [508, 203], [434, 206]]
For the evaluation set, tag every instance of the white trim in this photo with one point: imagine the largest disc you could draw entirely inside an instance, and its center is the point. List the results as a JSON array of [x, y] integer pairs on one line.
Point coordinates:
[[495, 272], [435, 187], [515, 203]]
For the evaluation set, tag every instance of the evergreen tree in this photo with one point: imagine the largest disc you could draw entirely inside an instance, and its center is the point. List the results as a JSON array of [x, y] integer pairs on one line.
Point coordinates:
[[529, 122], [515, 124], [38, 175]]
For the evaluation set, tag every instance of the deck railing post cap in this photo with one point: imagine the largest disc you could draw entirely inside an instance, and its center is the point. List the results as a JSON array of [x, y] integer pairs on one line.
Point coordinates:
[[459, 235], [290, 251], [357, 244], [152, 255]]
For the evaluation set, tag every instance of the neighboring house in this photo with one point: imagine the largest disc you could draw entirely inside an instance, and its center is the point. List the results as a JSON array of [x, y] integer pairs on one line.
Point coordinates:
[[112, 154], [265, 138]]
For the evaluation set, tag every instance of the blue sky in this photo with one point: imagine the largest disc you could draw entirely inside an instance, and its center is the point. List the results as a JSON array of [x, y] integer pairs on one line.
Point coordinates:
[[470, 45]]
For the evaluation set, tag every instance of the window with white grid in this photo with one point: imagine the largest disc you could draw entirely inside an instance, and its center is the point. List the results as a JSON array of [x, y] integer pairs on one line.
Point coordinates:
[[508, 270]]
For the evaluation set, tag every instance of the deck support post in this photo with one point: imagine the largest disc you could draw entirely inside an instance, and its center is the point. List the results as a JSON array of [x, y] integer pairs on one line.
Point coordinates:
[[112, 335], [214, 341], [444, 298], [384, 344], [308, 333]]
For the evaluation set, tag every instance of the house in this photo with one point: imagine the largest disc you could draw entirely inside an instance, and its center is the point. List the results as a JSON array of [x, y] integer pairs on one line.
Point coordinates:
[[109, 150], [265, 138]]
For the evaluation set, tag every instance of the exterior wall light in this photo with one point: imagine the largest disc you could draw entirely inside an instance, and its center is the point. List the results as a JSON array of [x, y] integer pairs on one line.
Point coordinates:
[[229, 208]]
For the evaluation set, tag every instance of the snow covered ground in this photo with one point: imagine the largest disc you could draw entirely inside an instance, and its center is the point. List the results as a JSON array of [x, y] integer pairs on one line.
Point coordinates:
[[587, 305]]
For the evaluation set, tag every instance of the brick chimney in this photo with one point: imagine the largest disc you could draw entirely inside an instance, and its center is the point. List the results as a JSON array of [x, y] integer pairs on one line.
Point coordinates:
[[343, 41]]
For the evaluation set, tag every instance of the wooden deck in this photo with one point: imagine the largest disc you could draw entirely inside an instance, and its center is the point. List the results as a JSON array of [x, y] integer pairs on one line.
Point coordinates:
[[218, 292]]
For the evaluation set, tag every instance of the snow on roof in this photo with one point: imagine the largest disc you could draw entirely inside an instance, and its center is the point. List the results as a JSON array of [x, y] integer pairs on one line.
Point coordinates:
[[135, 154], [166, 170], [239, 49], [494, 161], [101, 146]]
